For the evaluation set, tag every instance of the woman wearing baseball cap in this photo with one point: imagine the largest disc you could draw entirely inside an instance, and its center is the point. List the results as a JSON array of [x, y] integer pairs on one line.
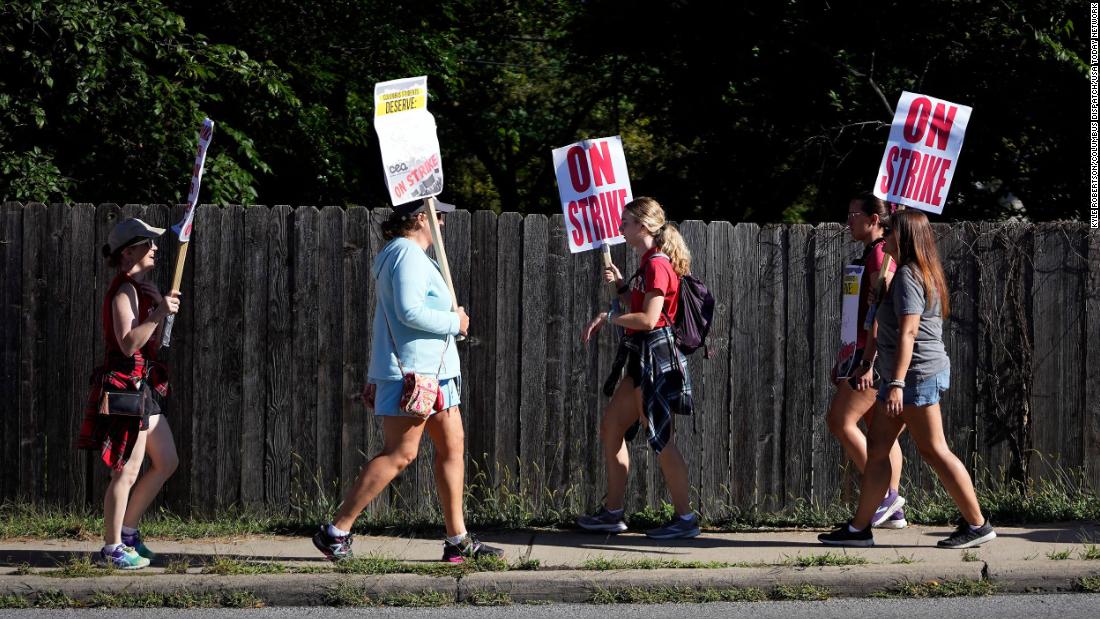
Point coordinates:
[[122, 419]]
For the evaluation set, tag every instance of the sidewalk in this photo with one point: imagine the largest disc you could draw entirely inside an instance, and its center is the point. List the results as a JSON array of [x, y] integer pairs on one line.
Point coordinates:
[[1019, 560]]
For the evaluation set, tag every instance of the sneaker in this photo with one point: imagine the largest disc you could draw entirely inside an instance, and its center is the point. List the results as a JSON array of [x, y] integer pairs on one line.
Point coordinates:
[[468, 548], [134, 541], [895, 521], [892, 503], [122, 558], [842, 536], [603, 520], [965, 537], [334, 548], [677, 528]]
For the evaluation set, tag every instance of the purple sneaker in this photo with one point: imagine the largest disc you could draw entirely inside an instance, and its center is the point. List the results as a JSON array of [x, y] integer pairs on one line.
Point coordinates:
[[336, 549], [895, 521], [892, 503], [122, 558]]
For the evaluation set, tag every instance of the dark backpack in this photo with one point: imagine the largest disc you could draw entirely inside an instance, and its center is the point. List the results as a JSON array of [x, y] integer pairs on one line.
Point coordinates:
[[696, 313]]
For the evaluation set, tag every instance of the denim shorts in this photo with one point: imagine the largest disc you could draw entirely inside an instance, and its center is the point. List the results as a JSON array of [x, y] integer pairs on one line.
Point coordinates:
[[920, 393], [387, 397]]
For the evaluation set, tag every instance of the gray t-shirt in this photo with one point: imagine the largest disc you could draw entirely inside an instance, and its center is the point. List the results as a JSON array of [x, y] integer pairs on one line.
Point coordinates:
[[907, 297]]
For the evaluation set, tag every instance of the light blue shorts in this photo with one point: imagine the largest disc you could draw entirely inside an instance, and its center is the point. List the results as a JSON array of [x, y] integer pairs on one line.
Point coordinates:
[[921, 393], [387, 397]]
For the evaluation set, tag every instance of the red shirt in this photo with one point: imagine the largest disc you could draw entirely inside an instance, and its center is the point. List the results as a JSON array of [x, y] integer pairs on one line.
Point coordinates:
[[871, 267], [657, 274]]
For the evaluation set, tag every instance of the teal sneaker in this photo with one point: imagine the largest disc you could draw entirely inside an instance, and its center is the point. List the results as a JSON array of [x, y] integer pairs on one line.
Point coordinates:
[[134, 541], [677, 528], [122, 558]]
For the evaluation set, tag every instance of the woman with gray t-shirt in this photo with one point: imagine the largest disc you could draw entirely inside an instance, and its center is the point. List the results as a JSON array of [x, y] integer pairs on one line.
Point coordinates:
[[916, 371]]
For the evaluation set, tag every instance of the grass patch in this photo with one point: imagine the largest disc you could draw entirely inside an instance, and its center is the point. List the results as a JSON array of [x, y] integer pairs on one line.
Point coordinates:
[[904, 560], [954, 588], [13, 601], [177, 566], [676, 595], [23, 569], [1091, 553], [375, 564], [804, 593], [223, 566], [526, 565], [1058, 555], [80, 567], [489, 598], [969, 556], [1088, 584], [225, 599], [604, 565], [824, 560], [346, 595]]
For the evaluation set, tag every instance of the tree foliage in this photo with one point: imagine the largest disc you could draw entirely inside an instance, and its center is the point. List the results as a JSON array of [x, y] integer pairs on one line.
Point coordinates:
[[765, 112]]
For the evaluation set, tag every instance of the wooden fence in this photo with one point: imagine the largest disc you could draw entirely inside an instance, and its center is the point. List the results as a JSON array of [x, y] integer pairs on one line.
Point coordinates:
[[272, 343]]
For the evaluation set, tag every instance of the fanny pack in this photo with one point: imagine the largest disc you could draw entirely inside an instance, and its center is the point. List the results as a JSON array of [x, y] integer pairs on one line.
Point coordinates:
[[124, 402]]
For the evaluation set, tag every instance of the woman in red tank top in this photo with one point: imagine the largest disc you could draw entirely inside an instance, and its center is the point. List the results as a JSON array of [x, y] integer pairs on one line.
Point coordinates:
[[132, 319], [656, 386]]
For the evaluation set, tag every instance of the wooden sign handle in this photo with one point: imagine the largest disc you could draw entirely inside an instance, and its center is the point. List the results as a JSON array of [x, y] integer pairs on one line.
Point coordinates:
[[177, 281], [441, 257]]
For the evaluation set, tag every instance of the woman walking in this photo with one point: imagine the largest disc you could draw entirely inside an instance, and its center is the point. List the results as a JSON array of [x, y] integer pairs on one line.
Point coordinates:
[[123, 419], [856, 387], [413, 333], [916, 371], [657, 384]]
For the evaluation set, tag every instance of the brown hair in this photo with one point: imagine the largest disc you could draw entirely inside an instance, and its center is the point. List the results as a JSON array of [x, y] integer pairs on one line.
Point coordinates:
[[649, 213], [398, 224], [917, 248], [871, 204]]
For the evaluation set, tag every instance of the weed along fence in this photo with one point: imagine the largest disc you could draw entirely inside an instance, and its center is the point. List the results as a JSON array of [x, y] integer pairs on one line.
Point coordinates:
[[271, 347]]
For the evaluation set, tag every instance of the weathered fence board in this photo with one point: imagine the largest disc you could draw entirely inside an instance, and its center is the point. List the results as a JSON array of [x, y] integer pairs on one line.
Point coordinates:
[[272, 343]]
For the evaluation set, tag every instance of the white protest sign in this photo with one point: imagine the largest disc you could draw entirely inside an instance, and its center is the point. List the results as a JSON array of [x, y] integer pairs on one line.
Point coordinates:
[[407, 139], [849, 319], [183, 228], [922, 152], [594, 186]]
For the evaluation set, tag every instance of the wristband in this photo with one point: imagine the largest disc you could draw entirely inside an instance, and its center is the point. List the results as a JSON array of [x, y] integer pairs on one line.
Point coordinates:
[[610, 314], [864, 363], [900, 384]]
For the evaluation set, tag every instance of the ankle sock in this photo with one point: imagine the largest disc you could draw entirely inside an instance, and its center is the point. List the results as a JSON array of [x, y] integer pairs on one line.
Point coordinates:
[[334, 532], [975, 528], [128, 531], [457, 539], [614, 512], [688, 517], [852, 529], [109, 548]]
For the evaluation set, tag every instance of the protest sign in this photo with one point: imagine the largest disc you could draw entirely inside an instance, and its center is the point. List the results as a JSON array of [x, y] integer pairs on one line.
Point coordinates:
[[849, 320], [922, 152], [594, 186], [407, 139]]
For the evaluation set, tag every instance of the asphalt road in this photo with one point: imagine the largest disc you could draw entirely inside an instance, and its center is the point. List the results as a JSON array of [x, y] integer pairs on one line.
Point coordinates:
[[1069, 606]]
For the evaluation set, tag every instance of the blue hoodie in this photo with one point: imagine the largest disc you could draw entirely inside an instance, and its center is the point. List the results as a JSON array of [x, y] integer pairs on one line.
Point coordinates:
[[411, 293]]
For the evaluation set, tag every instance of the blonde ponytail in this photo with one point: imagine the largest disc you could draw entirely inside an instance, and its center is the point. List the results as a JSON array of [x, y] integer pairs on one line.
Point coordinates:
[[667, 237]]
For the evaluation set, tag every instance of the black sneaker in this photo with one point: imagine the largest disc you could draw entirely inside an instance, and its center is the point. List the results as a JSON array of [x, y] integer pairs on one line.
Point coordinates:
[[468, 548], [605, 521], [965, 537], [843, 536], [334, 548]]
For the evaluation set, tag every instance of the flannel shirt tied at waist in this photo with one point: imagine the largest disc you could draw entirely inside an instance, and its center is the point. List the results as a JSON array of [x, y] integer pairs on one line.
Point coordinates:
[[114, 435], [666, 384]]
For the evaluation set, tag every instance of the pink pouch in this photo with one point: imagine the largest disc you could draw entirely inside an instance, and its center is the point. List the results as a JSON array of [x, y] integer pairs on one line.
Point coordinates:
[[420, 395]]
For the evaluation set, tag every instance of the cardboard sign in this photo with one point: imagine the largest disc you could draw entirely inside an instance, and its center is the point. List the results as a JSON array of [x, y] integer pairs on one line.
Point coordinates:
[[407, 139], [594, 186], [922, 152], [183, 228], [849, 319]]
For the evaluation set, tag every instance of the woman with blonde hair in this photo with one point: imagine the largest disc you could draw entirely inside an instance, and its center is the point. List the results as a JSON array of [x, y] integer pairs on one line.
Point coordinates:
[[912, 358], [657, 384]]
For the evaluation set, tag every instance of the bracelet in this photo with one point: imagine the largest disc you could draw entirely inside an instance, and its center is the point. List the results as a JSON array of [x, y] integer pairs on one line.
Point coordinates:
[[864, 363], [610, 314], [900, 384]]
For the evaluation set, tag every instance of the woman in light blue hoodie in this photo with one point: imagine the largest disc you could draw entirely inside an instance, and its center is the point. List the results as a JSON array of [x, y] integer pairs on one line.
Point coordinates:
[[414, 331]]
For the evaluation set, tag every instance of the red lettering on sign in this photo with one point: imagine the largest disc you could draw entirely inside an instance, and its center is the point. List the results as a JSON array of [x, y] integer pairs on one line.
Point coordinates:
[[941, 182], [597, 217], [918, 182], [942, 120], [915, 122], [607, 204], [928, 178], [582, 204], [603, 172], [911, 173], [578, 169], [891, 157], [575, 225], [903, 157], [617, 210]]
